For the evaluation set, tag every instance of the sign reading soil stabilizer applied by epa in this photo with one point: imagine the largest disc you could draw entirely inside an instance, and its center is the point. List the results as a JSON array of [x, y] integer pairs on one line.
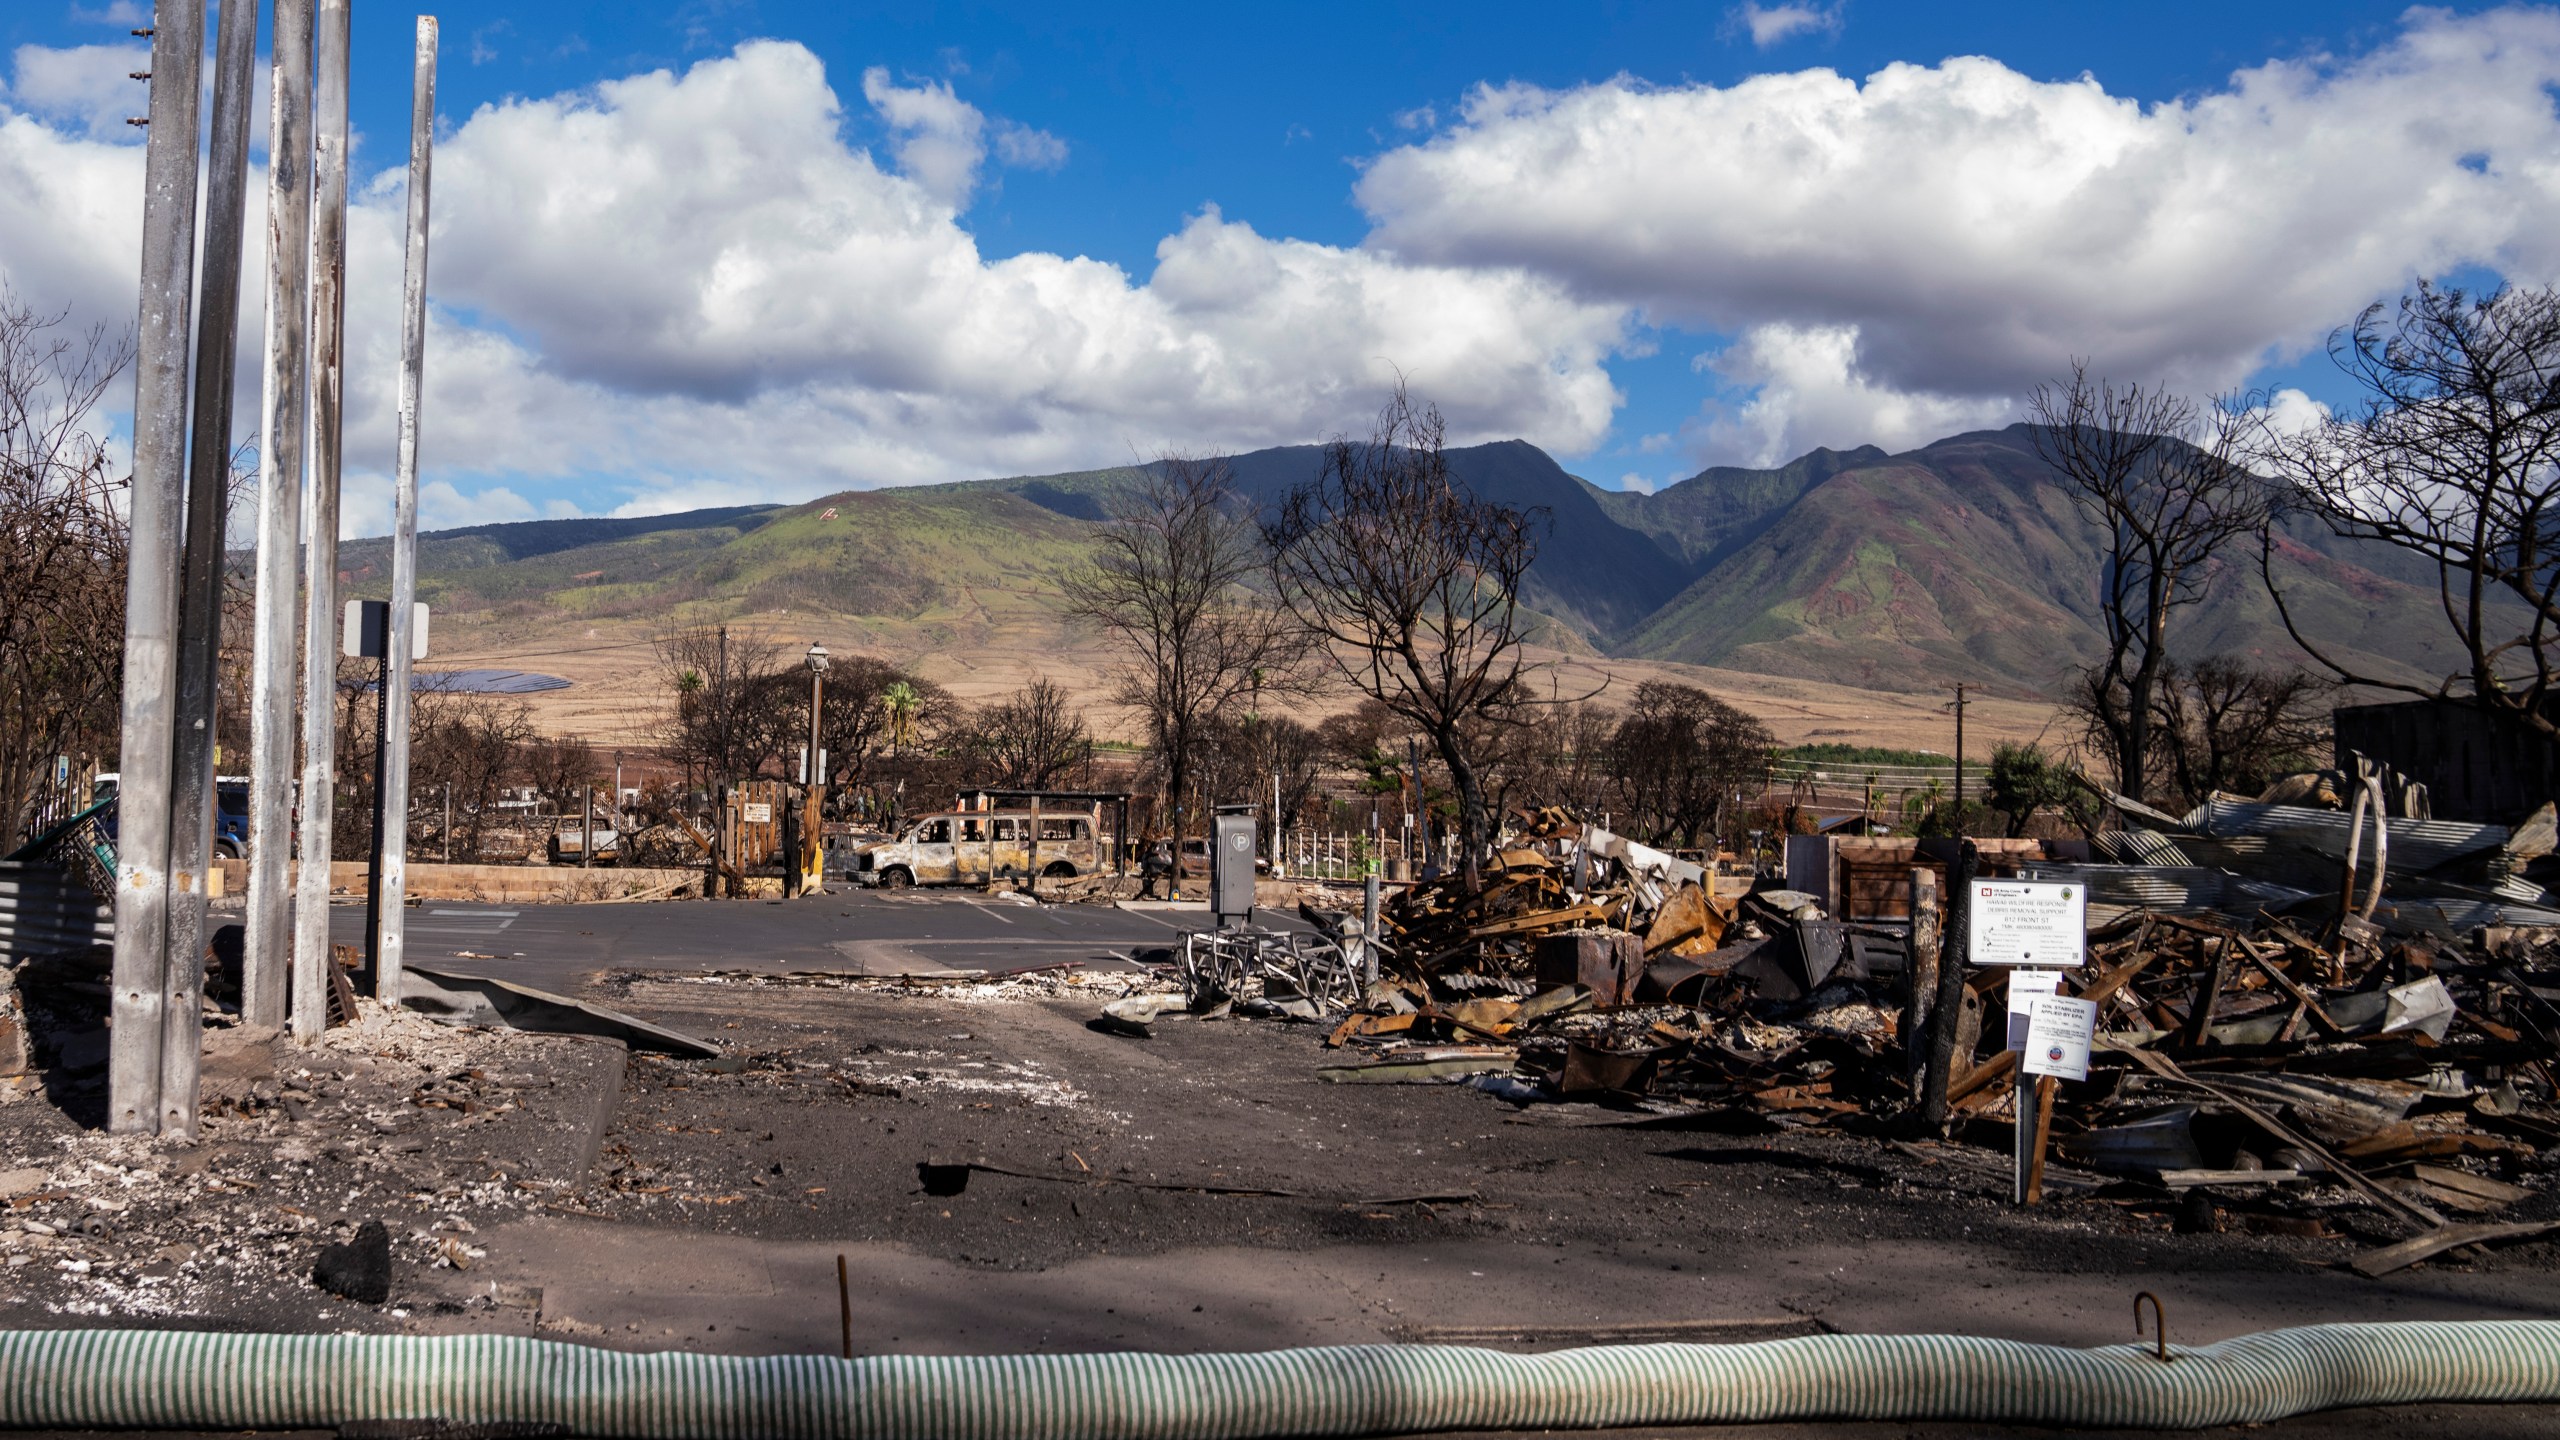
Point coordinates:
[[2028, 922]]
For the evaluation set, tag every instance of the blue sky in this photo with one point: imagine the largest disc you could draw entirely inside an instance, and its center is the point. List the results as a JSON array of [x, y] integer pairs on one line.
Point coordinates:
[[1557, 220]]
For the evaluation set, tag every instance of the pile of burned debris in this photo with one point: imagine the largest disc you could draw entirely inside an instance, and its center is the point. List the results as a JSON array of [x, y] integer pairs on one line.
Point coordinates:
[[2379, 1044], [367, 1165]]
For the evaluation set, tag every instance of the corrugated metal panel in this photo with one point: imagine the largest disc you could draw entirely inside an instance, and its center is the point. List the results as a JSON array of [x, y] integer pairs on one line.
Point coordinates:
[[44, 911], [2166, 887], [2139, 847], [2415, 844], [2457, 917]]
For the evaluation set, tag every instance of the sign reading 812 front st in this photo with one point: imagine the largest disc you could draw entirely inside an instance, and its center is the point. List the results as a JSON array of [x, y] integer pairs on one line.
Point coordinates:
[[2027, 922]]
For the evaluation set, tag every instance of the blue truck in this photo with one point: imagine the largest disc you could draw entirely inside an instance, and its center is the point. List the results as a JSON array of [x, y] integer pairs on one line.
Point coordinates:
[[230, 813]]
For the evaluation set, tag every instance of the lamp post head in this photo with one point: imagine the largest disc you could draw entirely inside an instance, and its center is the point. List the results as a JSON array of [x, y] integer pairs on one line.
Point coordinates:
[[817, 658]]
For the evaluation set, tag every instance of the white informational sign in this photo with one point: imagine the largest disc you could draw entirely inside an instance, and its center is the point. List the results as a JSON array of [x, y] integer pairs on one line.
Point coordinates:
[[2027, 922], [2059, 1028], [2025, 988], [757, 813]]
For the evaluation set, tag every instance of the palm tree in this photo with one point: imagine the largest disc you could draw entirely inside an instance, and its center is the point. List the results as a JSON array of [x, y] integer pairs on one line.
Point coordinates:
[[901, 700]]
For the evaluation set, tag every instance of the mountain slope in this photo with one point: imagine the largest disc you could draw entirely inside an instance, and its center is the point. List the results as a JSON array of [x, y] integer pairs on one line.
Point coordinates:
[[477, 546], [1966, 560], [1962, 560], [1707, 517], [1594, 572]]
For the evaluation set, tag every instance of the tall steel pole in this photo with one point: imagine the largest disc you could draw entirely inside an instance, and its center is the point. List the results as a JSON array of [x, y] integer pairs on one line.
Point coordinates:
[[404, 529], [311, 954], [151, 573], [280, 436], [373, 852], [200, 586]]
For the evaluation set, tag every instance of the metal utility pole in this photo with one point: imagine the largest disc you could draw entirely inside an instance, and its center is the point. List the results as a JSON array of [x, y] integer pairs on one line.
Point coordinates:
[[201, 573], [280, 436], [404, 529], [140, 976], [265, 1004]]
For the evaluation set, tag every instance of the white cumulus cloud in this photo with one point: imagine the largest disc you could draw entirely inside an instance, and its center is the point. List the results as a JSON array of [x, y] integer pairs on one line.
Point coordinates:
[[1769, 25], [942, 140], [698, 284], [685, 288], [2289, 413], [85, 89], [690, 288], [1805, 381], [1970, 229]]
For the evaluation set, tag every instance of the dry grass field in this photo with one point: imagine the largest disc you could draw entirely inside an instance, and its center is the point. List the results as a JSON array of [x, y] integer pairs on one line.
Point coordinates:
[[617, 691]]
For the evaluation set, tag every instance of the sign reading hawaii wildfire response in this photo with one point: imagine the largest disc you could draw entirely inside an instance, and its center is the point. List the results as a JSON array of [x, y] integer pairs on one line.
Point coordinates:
[[2028, 922]]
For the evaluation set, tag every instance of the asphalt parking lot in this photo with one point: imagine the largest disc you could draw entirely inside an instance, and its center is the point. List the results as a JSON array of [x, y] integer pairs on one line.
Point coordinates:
[[859, 931]]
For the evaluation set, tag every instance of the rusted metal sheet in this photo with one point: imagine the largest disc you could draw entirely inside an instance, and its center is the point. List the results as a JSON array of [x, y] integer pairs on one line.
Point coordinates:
[[1608, 963], [1590, 1071]]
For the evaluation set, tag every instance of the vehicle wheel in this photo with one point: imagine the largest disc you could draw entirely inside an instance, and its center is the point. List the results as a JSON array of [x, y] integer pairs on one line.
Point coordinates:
[[227, 849], [1059, 870], [896, 878]]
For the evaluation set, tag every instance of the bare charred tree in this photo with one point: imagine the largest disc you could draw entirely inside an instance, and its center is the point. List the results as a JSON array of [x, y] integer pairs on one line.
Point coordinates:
[[1520, 753], [469, 748], [351, 832], [1678, 759], [1032, 739], [560, 768], [1558, 754], [2454, 457], [62, 552], [1411, 584], [1364, 738], [729, 707], [2169, 482], [2225, 724], [1167, 587], [1275, 745]]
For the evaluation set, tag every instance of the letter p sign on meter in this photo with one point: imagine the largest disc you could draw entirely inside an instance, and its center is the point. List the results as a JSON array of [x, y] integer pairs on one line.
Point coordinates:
[[1231, 870], [2028, 922]]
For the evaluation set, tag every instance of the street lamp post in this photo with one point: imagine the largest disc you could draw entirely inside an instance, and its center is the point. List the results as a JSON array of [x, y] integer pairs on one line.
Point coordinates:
[[812, 857]]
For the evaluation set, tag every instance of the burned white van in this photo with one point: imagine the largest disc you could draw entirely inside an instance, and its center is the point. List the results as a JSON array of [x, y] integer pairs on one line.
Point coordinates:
[[974, 847]]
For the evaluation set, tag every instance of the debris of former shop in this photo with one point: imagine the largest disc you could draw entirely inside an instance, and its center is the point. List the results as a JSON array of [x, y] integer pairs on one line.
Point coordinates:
[[2299, 1012]]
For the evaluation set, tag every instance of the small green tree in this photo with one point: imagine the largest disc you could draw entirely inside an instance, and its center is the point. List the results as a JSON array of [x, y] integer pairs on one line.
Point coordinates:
[[2023, 780]]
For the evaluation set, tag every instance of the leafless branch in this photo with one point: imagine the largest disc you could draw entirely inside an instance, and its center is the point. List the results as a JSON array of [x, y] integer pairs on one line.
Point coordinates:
[[2453, 457], [1411, 584], [2168, 482]]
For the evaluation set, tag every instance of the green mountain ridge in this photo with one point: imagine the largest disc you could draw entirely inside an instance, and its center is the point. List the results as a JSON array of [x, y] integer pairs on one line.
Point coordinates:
[[1961, 560]]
